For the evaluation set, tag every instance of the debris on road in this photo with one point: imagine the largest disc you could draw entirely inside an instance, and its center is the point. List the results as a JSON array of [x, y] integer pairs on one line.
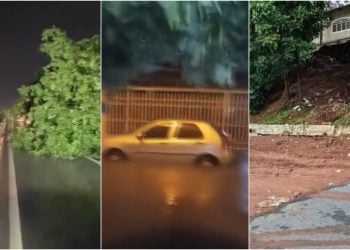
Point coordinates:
[[273, 201]]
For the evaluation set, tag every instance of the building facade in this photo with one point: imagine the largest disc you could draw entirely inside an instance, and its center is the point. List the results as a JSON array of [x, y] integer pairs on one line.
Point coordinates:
[[338, 28]]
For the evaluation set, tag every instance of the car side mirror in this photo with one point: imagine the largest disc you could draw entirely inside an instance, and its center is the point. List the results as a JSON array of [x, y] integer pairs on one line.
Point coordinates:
[[140, 137]]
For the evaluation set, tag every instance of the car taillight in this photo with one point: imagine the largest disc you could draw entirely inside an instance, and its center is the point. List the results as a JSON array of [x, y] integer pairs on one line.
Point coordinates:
[[227, 144]]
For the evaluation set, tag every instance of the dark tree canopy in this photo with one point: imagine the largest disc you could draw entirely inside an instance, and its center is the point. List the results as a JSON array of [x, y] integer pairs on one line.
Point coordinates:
[[208, 41]]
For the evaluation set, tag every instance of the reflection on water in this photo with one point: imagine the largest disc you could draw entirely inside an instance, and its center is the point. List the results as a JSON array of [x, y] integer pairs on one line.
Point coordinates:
[[176, 184], [171, 195], [173, 206]]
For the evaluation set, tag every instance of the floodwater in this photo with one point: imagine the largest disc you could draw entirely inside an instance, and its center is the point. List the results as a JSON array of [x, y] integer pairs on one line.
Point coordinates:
[[170, 205], [59, 202]]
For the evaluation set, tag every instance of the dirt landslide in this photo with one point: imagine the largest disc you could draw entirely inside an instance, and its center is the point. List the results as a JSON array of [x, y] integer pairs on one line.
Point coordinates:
[[324, 88], [283, 168]]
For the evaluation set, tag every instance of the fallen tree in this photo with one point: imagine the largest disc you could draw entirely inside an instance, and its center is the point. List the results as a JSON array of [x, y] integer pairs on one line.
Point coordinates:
[[62, 108]]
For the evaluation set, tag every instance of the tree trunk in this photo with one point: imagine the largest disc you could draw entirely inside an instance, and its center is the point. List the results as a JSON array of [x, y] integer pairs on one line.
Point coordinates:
[[299, 85], [298, 77], [286, 87]]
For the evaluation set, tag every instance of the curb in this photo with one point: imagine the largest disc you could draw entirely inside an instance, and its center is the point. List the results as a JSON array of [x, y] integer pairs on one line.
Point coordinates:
[[303, 130], [93, 160]]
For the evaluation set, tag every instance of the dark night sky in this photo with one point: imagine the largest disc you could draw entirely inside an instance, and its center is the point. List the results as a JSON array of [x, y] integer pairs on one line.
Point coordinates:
[[21, 25]]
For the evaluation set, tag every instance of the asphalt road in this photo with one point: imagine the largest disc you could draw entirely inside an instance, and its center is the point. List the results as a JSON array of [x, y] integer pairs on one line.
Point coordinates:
[[170, 205], [321, 220], [59, 202]]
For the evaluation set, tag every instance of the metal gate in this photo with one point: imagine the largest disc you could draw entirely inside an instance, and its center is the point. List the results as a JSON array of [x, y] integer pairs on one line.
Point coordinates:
[[126, 109]]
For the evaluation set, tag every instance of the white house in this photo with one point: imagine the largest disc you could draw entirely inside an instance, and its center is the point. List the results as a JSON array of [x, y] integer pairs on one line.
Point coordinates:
[[338, 28]]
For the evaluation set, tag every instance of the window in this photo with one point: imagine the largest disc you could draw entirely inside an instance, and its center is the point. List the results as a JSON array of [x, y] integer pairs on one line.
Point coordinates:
[[342, 24], [189, 131], [157, 132]]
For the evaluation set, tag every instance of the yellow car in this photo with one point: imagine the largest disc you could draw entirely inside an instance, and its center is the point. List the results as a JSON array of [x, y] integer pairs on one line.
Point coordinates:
[[195, 141]]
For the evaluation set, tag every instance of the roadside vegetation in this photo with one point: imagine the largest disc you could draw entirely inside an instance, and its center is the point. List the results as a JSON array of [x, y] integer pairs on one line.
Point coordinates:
[[280, 41], [61, 110], [291, 82]]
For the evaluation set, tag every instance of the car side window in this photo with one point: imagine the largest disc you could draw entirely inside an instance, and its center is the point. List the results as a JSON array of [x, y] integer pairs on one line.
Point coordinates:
[[189, 131], [157, 132]]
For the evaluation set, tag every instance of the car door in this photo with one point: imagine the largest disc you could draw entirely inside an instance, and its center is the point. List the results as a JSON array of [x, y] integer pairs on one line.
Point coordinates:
[[189, 141], [154, 141]]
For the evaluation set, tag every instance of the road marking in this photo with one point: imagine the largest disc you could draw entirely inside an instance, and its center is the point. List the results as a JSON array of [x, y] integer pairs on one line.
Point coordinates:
[[93, 160], [15, 241]]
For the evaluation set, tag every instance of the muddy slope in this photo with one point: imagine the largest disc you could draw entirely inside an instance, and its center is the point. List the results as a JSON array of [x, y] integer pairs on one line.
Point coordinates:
[[325, 92]]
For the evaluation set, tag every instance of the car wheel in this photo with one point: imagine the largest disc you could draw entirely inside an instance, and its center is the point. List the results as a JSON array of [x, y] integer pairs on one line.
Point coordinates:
[[116, 155], [207, 161]]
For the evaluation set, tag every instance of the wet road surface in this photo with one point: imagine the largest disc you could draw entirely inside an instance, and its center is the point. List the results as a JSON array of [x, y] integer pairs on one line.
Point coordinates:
[[149, 205], [321, 220], [59, 202]]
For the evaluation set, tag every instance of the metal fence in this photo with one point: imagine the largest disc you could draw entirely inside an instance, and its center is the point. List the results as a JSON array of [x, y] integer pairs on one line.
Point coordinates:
[[125, 110]]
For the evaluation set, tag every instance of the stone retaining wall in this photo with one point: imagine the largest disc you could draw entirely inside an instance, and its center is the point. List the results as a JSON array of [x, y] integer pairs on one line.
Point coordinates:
[[307, 130]]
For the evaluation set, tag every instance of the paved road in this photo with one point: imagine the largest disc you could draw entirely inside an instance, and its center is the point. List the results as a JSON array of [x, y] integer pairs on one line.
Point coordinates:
[[59, 202], [322, 220], [162, 205]]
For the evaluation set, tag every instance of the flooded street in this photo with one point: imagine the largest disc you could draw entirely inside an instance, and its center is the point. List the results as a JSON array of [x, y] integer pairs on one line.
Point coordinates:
[[59, 202], [163, 205]]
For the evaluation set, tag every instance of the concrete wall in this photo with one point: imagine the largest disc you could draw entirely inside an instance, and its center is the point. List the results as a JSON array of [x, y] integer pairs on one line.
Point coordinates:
[[330, 37], [307, 130]]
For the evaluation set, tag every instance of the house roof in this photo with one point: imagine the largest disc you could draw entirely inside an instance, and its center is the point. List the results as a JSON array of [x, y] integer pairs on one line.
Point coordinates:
[[340, 7]]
